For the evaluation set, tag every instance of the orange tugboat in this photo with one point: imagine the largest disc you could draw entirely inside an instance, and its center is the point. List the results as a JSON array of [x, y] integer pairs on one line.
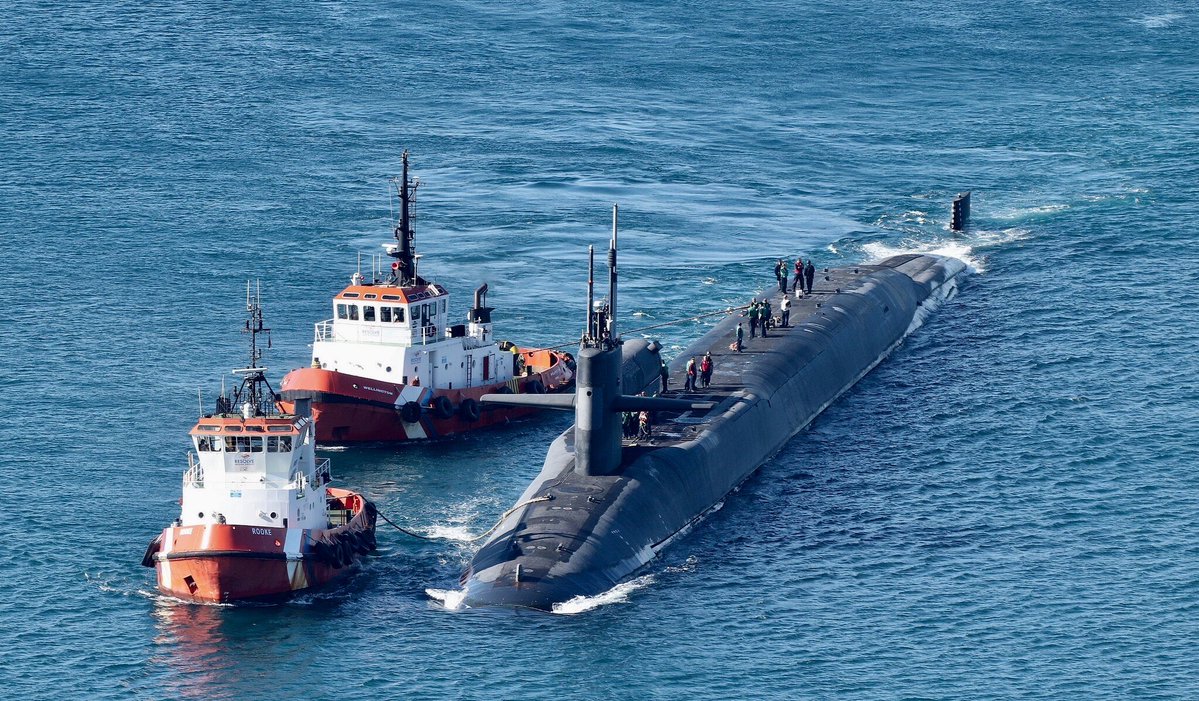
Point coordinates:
[[391, 366], [258, 521]]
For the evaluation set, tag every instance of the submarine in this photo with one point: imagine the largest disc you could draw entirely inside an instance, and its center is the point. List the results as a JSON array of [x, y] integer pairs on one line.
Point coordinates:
[[604, 505]]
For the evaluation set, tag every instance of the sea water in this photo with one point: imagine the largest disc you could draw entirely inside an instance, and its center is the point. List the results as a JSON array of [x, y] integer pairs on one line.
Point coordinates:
[[1005, 508]]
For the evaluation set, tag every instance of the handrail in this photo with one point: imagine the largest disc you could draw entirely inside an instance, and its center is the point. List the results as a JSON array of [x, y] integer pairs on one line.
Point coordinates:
[[321, 475], [194, 477], [324, 330]]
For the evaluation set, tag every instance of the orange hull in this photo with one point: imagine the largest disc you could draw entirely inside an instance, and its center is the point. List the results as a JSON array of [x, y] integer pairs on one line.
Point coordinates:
[[349, 409], [223, 563]]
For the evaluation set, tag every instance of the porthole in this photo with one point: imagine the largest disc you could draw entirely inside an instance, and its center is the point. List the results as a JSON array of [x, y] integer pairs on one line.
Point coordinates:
[[201, 514], [388, 368], [273, 514]]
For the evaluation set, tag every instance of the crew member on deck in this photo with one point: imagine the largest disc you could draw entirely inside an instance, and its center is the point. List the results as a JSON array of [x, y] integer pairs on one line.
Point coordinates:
[[798, 286], [689, 383], [785, 307], [705, 369], [809, 273], [665, 373]]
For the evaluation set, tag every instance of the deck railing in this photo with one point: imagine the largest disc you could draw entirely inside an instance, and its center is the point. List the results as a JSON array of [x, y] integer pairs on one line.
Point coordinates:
[[322, 477], [194, 477]]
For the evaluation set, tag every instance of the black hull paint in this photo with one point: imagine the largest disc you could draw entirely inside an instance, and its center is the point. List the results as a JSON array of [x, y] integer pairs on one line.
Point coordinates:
[[598, 530]]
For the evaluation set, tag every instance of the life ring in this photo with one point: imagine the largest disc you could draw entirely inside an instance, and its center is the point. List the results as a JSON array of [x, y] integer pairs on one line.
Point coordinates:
[[443, 408], [469, 410], [410, 412], [534, 387]]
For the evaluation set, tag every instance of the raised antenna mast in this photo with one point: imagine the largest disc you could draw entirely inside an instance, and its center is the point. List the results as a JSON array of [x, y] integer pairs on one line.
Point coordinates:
[[405, 252], [255, 395], [588, 330], [612, 280]]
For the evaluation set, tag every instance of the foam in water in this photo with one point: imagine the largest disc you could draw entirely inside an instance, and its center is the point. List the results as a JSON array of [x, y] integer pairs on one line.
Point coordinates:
[[447, 532], [618, 594], [451, 599], [879, 251], [1157, 21]]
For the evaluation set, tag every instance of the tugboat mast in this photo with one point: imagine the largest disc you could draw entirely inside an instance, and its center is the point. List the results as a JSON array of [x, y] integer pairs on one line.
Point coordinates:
[[255, 396], [404, 269]]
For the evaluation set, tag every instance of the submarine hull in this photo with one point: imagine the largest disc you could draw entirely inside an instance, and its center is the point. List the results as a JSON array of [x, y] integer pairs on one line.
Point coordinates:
[[586, 533]]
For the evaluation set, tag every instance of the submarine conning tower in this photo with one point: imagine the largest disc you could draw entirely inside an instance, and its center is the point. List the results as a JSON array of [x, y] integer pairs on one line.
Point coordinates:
[[598, 399], [604, 505]]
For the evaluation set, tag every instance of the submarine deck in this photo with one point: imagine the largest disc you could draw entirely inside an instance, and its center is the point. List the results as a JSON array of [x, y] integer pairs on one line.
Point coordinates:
[[729, 367]]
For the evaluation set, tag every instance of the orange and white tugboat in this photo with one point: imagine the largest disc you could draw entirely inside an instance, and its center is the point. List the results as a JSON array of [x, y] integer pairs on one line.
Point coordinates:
[[258, 521], [391, 366]]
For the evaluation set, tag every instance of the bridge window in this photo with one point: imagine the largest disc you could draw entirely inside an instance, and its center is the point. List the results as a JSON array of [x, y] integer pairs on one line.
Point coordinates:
[[385, 314], [353, 312], [368, 312], [207, 444], [243, 444], [278, 444], [443, 306], [341, 312]]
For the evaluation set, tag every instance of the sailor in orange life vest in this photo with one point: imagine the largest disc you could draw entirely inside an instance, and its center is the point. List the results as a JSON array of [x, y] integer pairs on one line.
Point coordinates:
[[705, 369]]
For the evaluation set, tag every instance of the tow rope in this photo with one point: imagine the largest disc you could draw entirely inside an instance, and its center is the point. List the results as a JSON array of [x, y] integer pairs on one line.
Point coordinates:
[[482, 535]]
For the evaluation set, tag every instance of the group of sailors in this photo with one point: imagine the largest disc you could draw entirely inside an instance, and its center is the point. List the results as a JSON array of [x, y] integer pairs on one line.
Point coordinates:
[[804, 275], [760, 313]]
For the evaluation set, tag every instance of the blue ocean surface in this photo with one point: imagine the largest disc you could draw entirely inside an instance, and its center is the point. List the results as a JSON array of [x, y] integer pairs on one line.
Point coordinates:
[[1007, 507]]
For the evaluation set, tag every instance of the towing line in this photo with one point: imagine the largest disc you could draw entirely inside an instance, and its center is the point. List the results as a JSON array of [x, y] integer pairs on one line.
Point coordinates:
[[488, 532]]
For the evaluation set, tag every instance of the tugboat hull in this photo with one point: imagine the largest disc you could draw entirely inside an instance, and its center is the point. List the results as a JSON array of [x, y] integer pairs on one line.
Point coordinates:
[[225, 563], [352, 409]]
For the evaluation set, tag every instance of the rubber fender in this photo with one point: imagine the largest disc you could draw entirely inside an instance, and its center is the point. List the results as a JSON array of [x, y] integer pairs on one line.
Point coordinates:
[[443, 408], [324, 553], [151, 550], [505, 389], [534, 387], [410, 412], [360, 544], [369, 539], [345, 552], [469, 410]]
